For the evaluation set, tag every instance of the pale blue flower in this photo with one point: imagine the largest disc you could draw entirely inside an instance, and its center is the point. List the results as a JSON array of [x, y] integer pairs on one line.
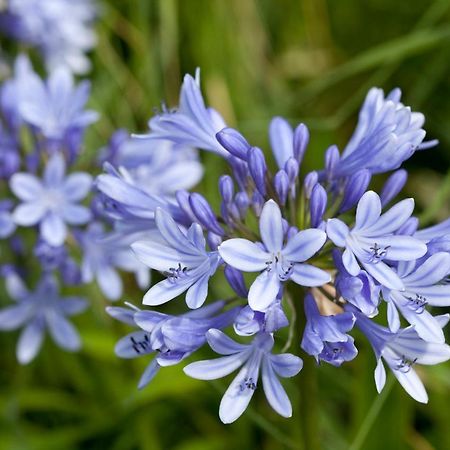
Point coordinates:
[[277, 262], [422, 288], [53, 201], [183, 258], [253, 358], [372, 240], [38, 311]]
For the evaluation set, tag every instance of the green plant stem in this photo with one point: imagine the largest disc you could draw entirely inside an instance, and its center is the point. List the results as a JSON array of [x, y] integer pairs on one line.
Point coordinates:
[[306, 412]]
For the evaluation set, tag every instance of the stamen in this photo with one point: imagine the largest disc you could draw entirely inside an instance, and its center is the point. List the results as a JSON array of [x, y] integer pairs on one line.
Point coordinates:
[[377, 253], [404, 365], [418, 303], [140, 346], [175, 273], [248, 383]]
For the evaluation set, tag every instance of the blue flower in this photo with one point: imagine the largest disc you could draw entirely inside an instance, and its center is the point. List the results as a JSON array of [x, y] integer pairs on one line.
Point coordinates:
[[7, 225], [387, 134], [38, 311], [183, 258], [372, 239], [158, 167], [55, 107], [421, 289], [325, 336], [172, 338], [52, 201], [60, 29], [103, 255], [192, 124], [253, 358], [401, 351], [277, 262]]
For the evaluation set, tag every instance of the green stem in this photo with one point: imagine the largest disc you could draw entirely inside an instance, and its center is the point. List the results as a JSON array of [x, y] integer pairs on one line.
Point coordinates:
[[306, 414]]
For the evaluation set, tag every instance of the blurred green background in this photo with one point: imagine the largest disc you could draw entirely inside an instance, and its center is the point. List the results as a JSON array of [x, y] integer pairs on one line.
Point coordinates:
[[310, 61]]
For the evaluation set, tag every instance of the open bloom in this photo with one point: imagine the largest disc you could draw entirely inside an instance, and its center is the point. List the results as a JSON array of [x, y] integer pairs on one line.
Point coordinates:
[[37, 311], [421, 289], [172, 338], [183, 258], [52, 201], [277, 262], [401, 351], [253, 358], [372, 239]]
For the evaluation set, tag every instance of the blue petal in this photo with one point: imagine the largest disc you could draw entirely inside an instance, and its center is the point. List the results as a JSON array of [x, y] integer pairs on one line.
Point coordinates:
[[307, 275], [337, 231], [133, 345], [148, 320], [26, 187], [304, 245], [109, 282], [76, 214], [166, 290], [53, 229], [196, 294], [281, 140], [27, 214], [213, 369], [77, 186], [275, 393], [244, 255], [222, 344], [271, 227], [149, 373], [286, 365], [384, 275], [264, 290], [15, 316], [380, 376], [62, 331], [436, 295], [432, 271], [368, 210], [30, 341], [54, 171]]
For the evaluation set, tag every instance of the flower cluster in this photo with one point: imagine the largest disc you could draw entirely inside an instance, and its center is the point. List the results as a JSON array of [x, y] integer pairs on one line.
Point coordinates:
[[326, 244], [53, 212], [60, 29]]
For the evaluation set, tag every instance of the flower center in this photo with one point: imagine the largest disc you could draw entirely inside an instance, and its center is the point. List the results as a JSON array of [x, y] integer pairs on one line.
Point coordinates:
[[284, 268], [248, 383], [176, 273], [404, 365], [417, 303], [377, 253]]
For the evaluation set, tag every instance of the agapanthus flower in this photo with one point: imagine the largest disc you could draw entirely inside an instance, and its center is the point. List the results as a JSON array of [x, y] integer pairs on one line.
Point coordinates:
[[170, 338], [39, 311], [325, 336], [53, 201], [401, 351], [192, 124], [55, 108], [103, 256], [60, 29], [277, 262], [183, 258], [387, 134], [422, 288], [372, 241], [253, 358]]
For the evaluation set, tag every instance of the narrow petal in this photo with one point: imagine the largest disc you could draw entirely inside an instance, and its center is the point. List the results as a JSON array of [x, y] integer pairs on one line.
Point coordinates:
[[196, 294], [275, 393], [28, 214], [77, 186], [30, 341], [432, 271], [384, 275], [15, 316], [368, 210], [307, 275], [412, 384], [286, 365], [271, 227], [148, 320], [304, 245], [53, 230], [162, 257], [264, 290], [63, 332], [25, 186], [380, 376], [109, 282], [244, 255], [223, 344], [436, 295], [149, 373], [76, 214], [391, 220], [350, 262], [398, 248], [393, 317], [281, 140], [73, 305], [337, 231], [54, 170], [213, 369], [240, 392], [166, 290]]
